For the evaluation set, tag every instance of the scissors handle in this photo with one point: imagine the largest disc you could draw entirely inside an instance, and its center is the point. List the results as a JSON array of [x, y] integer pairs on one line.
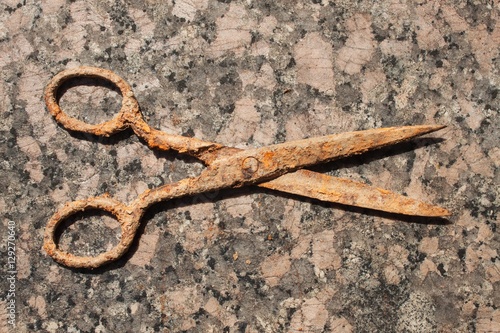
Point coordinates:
[[129, 112], [129, 216], [129, 222], [129, 115]]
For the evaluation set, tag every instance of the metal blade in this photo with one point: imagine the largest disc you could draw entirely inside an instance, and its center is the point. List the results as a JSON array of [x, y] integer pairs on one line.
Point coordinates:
[[232, 168], [348, 192], [270, 167], [302, 153]]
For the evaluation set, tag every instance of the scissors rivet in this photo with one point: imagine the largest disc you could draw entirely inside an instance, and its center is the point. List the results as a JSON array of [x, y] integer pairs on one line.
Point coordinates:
[[249, 166]]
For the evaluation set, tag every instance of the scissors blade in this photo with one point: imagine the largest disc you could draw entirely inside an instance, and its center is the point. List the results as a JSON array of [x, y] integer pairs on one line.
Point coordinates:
[[273, 167], [302, 153], [233, 168], [348, 192]]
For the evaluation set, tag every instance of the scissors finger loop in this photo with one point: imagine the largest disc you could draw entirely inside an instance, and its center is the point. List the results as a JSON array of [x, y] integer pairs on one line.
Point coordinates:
[[128, 112], [128, 224]]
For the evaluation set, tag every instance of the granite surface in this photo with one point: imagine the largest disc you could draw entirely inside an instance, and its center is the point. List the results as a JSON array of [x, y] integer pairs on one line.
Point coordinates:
[[248, 74]]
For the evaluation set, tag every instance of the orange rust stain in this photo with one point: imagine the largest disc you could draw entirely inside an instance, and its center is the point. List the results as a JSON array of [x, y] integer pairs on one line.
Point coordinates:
[[268, 160], [383, 191]]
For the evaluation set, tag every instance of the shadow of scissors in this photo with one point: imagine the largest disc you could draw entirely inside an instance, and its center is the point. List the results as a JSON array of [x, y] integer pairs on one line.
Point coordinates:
[[278, 167]]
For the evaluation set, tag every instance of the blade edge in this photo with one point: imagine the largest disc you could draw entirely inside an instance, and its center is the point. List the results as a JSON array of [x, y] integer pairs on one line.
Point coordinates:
[[348, 192], [292, 155]]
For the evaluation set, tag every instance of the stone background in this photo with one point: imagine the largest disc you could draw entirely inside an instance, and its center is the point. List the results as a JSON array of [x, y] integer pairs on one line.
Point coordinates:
[[248, 74]]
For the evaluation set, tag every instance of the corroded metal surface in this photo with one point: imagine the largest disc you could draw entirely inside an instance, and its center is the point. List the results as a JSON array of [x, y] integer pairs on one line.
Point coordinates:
[[275, 167], [348, 192]]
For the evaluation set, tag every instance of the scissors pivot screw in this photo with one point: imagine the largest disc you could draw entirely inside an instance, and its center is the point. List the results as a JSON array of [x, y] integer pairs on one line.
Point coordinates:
[[249, 166]]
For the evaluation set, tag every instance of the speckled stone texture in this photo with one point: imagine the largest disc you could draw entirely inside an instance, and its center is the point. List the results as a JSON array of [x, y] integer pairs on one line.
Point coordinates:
[[248, 74]]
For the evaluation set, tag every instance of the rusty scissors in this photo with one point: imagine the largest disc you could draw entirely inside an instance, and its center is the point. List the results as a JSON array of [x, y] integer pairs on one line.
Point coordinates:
[[278, 167]]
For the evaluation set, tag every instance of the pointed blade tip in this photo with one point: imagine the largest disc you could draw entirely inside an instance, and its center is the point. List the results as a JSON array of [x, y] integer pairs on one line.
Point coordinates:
[[437, 212], [445, 213], [438, 127], [431, 128]]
